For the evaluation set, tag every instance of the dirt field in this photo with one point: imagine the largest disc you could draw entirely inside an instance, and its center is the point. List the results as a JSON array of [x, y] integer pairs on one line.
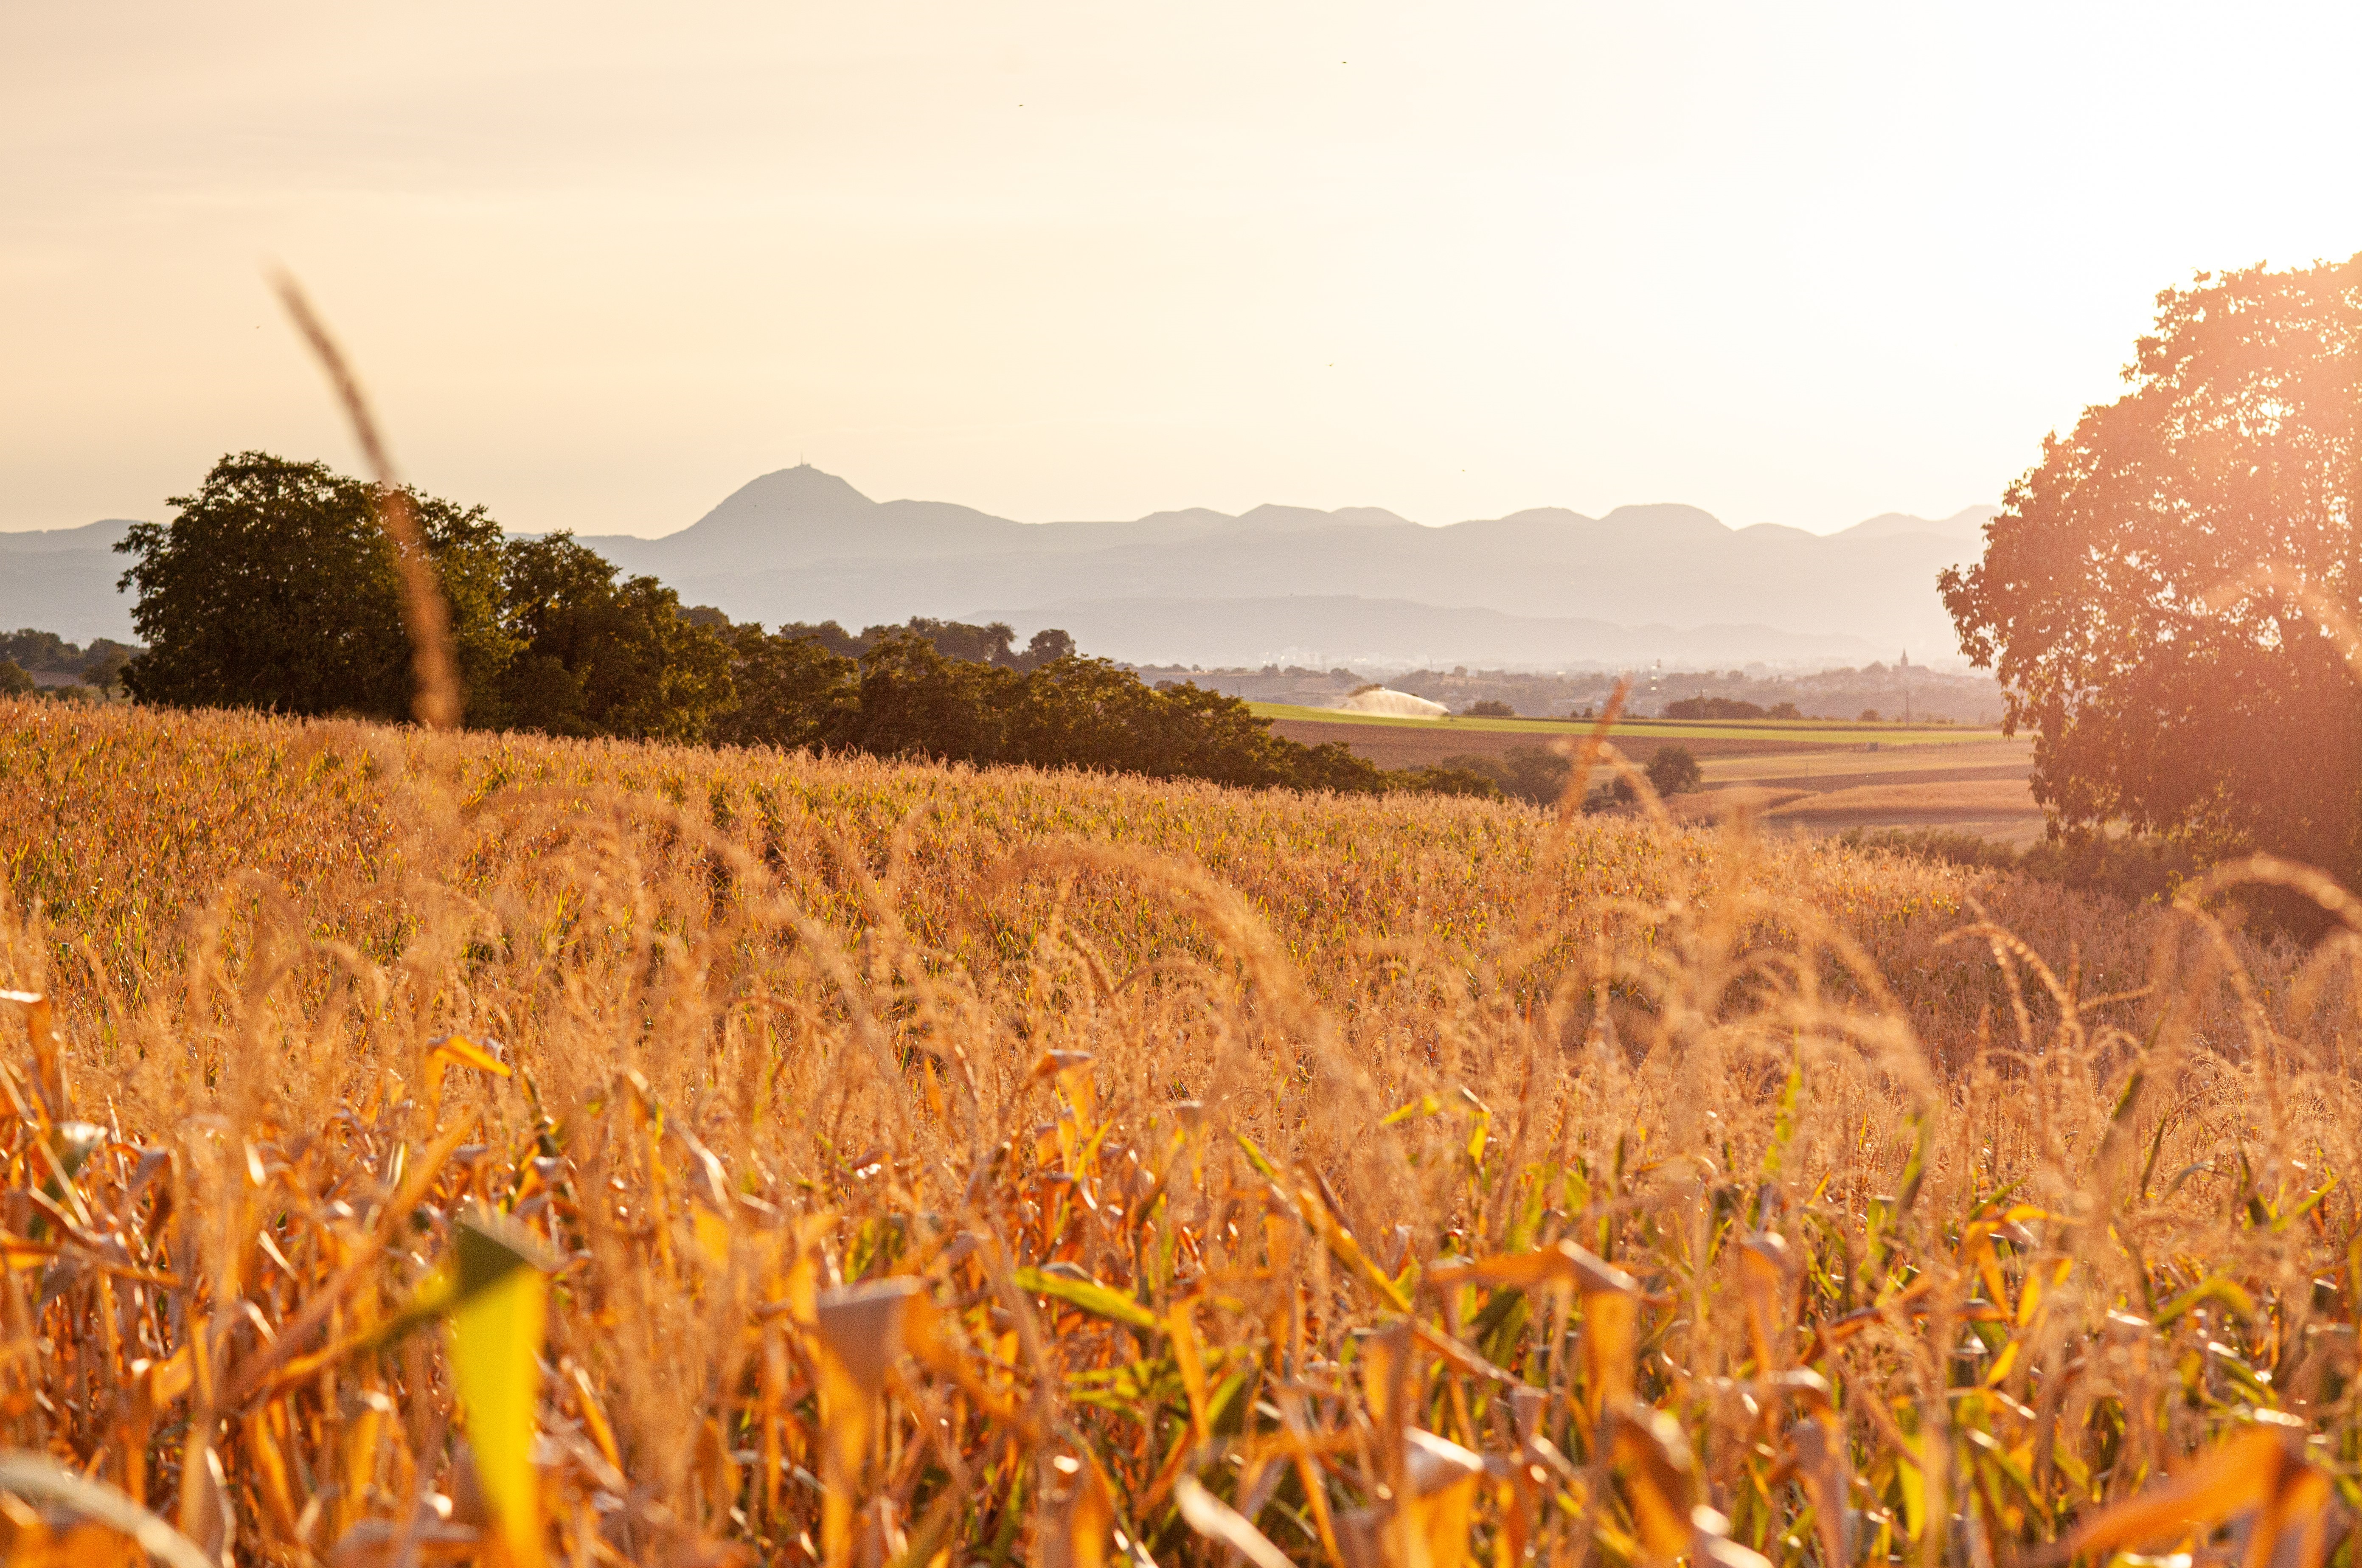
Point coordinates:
[[1805, 786], [1979, 787], [1407, 745]]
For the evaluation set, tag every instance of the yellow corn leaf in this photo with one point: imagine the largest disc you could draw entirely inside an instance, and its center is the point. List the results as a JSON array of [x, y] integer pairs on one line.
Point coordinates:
[[1218, 1521], [1609, 1320], [2006, 1360], [715, 1469], [104, 1512], [1425, 1105], [81, 1544], [1763, 1279], [363, 1449], [264, 1429], [712, 1235], [1182, 1327], [1817, 1448], [2300, 1507], [2029, 1297], [594, 1419], [48, 1071], [1651, 1448], [17, 1252], [2245, 1473], [859, 1329], [1910, 1481], [496, 1337], [1711, 1546], [1085, 1532], [1562, 1264], [1442, 1478], [1432, 1464], [458, 1048], [1976, 1250]]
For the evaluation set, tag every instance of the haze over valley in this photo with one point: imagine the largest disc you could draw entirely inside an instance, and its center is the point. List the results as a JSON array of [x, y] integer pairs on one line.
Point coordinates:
[[1544, 588]]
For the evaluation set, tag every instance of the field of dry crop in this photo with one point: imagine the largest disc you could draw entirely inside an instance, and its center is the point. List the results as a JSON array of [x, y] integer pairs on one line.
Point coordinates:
[[434, 1149]]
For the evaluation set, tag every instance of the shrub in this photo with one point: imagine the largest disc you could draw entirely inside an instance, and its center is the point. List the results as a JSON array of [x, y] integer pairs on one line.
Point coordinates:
[[1533, 774], [1673, 771], [1489, 707]]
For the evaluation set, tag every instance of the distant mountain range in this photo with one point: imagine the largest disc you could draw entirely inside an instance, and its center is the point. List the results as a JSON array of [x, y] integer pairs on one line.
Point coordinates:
[[1359, 586], [1282, 584], [62, 580]]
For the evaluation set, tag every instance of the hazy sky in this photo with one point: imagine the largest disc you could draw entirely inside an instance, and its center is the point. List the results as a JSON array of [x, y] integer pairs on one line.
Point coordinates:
[[1796, 263]]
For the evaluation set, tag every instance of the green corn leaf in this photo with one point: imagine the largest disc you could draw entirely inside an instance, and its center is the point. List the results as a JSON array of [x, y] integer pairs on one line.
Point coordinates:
[[1089, 1295]]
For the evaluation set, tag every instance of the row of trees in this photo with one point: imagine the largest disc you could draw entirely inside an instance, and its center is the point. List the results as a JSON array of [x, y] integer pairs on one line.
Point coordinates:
[[1729, 707], [272, 587], [99, 666]]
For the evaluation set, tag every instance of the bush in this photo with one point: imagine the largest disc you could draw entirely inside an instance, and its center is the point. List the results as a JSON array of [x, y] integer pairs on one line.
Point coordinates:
[[1673, 771], [13, 681], [1489, 707], [1533, 774]]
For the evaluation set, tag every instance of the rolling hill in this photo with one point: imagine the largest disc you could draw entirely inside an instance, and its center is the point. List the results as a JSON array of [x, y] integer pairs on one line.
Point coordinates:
[[62, 580], [1547, 587]]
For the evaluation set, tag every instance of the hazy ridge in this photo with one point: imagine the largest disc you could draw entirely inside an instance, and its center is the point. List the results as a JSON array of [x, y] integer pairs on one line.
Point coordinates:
[[1544, 587]]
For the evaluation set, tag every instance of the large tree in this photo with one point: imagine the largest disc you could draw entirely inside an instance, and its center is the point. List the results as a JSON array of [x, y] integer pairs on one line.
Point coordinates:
[[2162, 595], [274, 586]]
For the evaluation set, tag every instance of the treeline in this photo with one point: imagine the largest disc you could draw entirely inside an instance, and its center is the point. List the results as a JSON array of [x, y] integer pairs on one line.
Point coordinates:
[[88, 673], [274, 588], [1728, 707]]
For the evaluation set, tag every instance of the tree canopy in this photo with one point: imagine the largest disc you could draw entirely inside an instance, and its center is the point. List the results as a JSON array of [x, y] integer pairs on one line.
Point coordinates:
[[273, 587], [2162, 595]]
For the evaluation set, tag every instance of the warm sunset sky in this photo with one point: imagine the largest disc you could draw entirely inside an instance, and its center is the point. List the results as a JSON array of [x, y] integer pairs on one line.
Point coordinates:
[[1797, 263]]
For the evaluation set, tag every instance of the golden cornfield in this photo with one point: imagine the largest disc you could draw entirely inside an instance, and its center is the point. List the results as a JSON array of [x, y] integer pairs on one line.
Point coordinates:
[[426, 1149]]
